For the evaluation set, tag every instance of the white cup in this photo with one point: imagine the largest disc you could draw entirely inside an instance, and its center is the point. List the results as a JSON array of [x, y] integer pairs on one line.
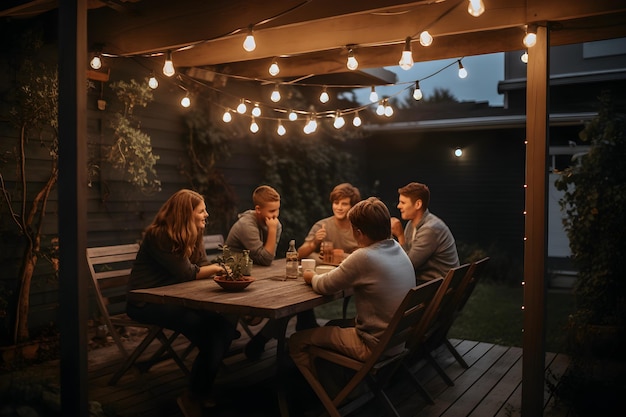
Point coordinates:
[[307, 264]]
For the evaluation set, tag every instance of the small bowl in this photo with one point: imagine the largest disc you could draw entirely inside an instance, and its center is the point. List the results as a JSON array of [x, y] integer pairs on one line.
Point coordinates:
[[230, 285], [322, 269]]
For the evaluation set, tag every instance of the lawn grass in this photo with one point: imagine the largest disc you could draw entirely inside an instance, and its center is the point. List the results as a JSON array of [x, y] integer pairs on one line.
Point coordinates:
[[494, 314]]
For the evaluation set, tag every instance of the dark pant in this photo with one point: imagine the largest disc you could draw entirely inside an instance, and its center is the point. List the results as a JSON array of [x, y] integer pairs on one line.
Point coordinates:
[[209, 331]]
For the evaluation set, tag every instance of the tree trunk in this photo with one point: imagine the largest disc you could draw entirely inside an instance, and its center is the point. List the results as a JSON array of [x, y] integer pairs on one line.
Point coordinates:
[[23, 302]]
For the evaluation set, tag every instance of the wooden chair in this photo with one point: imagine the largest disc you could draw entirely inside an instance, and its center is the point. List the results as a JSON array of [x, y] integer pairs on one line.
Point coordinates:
[[465, 291], [110, 270], [213, 245], [403, 324], [423, 343]]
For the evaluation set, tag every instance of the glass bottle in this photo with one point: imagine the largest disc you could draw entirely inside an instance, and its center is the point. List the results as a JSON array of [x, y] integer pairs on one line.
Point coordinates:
[[247, 262], [292, 261]]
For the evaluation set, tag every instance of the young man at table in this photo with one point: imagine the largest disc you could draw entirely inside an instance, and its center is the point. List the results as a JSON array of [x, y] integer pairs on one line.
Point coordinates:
[[259, 231], [172, 251], [336, 228], [380, 274], [426, 238]]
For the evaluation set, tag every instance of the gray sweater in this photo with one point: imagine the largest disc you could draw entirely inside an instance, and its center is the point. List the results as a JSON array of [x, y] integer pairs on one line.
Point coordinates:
[[248, 234]]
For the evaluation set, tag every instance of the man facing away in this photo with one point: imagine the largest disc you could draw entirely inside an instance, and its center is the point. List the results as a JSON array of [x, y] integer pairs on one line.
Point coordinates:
[[425, 238]]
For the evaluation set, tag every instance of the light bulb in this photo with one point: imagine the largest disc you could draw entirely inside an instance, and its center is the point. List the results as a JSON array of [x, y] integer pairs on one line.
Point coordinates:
[[313, 124], [352, 63], [339, 121], [388, 110], [356, 122], [275, 97], [458, 152], [380, 110], [293, 116], [426, 39], [96, 62], [254, 127], [524, 57], [227, 117], [476, 7], [256, 110], [373, 95], [417, 93], [249, 43], [168, 66], [185, 101], [530, 39], [324, 96], [274, 69], [406, 61], [462, 71], [153, 82], [281, 129], [241, 108]]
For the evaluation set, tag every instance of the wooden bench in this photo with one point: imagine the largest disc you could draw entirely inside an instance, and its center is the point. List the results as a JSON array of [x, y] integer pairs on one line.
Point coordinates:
[[110, 270]]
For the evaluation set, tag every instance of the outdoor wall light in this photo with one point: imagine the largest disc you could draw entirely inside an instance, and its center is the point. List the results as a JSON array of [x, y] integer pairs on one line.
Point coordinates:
[[458, 152]]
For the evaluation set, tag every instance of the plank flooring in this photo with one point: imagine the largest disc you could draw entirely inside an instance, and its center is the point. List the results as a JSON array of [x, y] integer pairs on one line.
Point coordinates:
[[490, 387]]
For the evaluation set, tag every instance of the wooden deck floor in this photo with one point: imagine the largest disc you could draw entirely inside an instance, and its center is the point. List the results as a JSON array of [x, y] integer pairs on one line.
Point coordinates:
[[490, 387]]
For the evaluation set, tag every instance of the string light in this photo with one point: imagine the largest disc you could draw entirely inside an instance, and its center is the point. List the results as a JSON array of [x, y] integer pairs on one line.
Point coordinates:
[[242, 108], [530, 38], [352, 63], [324, 97], [153, 83], [168, 66], [249, 44], [281, 129], [417, 93], [380, 110], [293, 116], [458, 152], [254, 127], [96, 61], [185, 101], [373, 95], [426, 39], [256, 110], [274, 68], [406, 60], [339, 121], [462, 70], [227, 117], [388, 109], [275, 97], [311, 125], [356, 122], [476, 7]]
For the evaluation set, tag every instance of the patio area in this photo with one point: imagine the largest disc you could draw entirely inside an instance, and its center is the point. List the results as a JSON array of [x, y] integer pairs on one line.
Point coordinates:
[[491, 386]]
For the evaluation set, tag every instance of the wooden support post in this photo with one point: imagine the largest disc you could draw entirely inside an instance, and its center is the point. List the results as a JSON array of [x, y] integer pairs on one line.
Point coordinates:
[[72, 206], [537, 115]]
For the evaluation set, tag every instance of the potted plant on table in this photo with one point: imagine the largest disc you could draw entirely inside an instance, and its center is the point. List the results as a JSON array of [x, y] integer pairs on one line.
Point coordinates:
[[593, 201], [236, 269]]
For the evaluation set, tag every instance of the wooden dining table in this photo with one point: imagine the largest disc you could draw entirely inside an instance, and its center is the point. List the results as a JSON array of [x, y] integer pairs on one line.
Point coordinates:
[[271, 296]]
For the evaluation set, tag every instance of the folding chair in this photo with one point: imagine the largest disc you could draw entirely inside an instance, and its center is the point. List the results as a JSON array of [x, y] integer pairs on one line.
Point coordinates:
[[439, 320], [406, 319], [110, 270]]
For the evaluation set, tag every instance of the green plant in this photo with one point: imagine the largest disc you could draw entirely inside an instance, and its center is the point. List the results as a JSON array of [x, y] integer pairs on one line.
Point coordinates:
[[33, 99], [593, 202], [235, 265], [132, 149]]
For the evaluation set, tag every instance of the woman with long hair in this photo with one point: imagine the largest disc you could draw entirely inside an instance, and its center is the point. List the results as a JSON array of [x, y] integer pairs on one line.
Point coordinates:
[[172, 251]]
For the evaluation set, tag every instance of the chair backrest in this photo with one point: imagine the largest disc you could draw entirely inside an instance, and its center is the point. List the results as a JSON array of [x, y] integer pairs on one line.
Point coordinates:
[[474, 275], [442, 307], [408, 316], [110, 271], [213, 245]]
